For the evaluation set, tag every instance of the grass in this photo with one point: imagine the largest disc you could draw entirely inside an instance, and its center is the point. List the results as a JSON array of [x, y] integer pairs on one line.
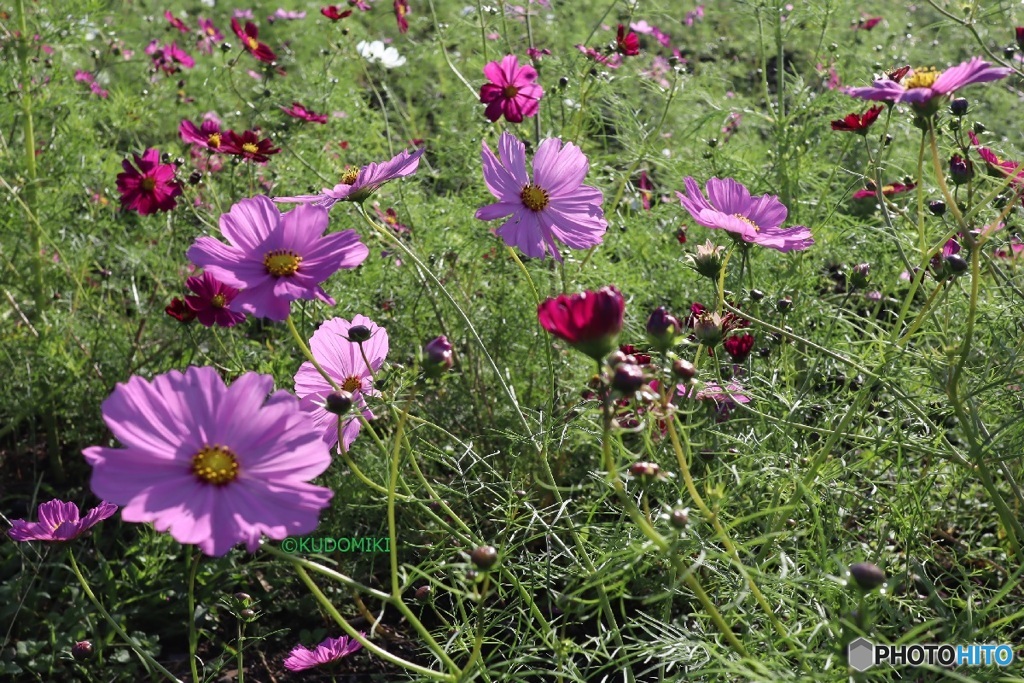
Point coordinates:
[[884, 422]]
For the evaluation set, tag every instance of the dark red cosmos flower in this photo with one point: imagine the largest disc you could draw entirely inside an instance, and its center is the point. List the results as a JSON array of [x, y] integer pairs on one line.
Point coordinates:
[[626, 43], [640, 358], [887, 190], [401, 9], [176, 22], [334, 12], [180, 311], [149, 188], [249, 36], [739, 346], [1020, 37], [299, 112], [248, 145], [589, 321], [859, 124], [646, 190], [867, 24], [211, 301]]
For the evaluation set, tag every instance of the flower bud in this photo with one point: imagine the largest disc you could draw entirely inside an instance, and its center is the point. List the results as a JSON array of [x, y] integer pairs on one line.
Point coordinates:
[[708, 328], [338, 402], [484, 556], [958, 107], [708, 260], [628, 378], [662, 328], [247, 614], [937, 207], [867, 575], [756, 295], [646, 470], [979, 128], [437, 356], [1019, 30], [739, 346], [961, 170], [423, 593], [82, 650], [243, 597], [784, 304], [957, 264], [359, 334], [859, 276], [684, 370], [679, 518]]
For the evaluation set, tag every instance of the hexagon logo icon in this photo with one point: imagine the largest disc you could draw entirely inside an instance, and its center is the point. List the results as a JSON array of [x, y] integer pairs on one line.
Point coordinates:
[[861, 654]]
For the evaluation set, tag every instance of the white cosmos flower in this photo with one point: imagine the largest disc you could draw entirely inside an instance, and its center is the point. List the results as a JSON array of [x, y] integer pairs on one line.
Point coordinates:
[[376, 52]]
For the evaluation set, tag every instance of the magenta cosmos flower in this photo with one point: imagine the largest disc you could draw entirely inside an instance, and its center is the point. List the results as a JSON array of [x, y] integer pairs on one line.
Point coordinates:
[[213, 465], [512, 91], [332, 649], [589, 321], [149, 188], [59, 521], [358, 184], [211, 301], [250, 41], [555, 203], [274, 258], [921, 86], [343, 361], [207, 134], [299, 112], [751, 219]]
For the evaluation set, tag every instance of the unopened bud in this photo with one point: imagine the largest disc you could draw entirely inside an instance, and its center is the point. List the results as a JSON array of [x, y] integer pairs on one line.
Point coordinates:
[[338, 402], [662, 328], [628, 378], [82, 650], [359, 334], [867, 575], [484, 556]]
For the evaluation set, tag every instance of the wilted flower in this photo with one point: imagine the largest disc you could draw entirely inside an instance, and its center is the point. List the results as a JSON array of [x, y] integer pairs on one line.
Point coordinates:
[[589, 321], [149, 188], [332, 649], [512, 91], [59, 521]]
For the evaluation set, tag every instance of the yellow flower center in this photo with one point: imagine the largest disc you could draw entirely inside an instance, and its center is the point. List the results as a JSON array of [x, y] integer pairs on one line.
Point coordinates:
[[888, 189], [349, 176], [749, 222], [213, 140], [250, 147], [252, 43], [352, 384], [216, 465], [147, 185], [510, 91], [282, 263], [922, 78], [217, 301], [534, 197]]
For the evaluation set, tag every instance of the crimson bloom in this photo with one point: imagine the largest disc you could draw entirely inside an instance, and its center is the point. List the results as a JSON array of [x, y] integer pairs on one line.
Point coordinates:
[[249, 37], [756, 220], [512, 92], [331, 649], [887, 190], [867, 23], [248, 145], [401, 9], [612, 61], [180, 311], [149, 188], [176, 22], [207, 134], [390, 219], [334, 12], [345, 361], [626, 43], [739, 346], [922, 86], [554, 203], [214, 465], [1000, 166], [59, 521], [857, 123], [299, 112], [358, 184], [275, 259], [589, 321], [211, 301]]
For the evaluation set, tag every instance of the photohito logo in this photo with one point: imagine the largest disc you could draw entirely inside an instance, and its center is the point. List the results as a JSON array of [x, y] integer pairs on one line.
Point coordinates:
[[863, 654]]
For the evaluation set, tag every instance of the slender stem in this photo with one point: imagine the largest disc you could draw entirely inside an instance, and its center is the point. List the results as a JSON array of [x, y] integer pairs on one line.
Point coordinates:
[[193, 635], [241, 643], [940, 177], [116, 626], [309, 354]]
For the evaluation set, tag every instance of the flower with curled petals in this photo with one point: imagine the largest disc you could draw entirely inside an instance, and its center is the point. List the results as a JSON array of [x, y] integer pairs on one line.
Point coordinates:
[[554, 203], [211, 464], [276, 258], [346, 362], [756, 220], [358, 184], [59, 521]]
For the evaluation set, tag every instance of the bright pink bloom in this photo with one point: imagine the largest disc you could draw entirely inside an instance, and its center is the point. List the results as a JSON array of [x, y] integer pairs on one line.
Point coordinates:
[[553, 204], [343, 361], [274, 258], [207, 135], [249, 37], [210, 36], [626, 43], [149, 188], [1001, 166], [59, 521], [360, 5], [334, 12], [924, 85], [176, 22], [535, 54], [248, 145], [512, 92], [211, 301], [299, 112], [751, 219], [887, 190], [213, 465], [694, 16], [612, 61], [357, 185], [401, 9], [169, 58], [589, 321], [332, 649], [867, 24]]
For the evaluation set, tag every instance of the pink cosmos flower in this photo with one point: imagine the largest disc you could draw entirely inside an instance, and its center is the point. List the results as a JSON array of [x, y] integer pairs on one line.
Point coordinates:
[[207, 134], [335, 12], [1000, 166], [149, 188], [344, 361], [249, 146], [332, 649], [696, 15], [390, 219], [176, 22], [751, 219], [285, 15], [210, 35], [401, 9], [169, 58], [536, 55], [213, 465], [211, 301], [553, 204], [626, 43], [59, 521], [357, 185], [921, 86], [866, 23], [512, 92], [299, 112], [274, 258], [612, 61], [887, 190]]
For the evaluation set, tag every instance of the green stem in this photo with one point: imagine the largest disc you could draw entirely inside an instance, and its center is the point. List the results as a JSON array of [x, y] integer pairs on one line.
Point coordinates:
[[113, 624], [193, 634], [309, 354]]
